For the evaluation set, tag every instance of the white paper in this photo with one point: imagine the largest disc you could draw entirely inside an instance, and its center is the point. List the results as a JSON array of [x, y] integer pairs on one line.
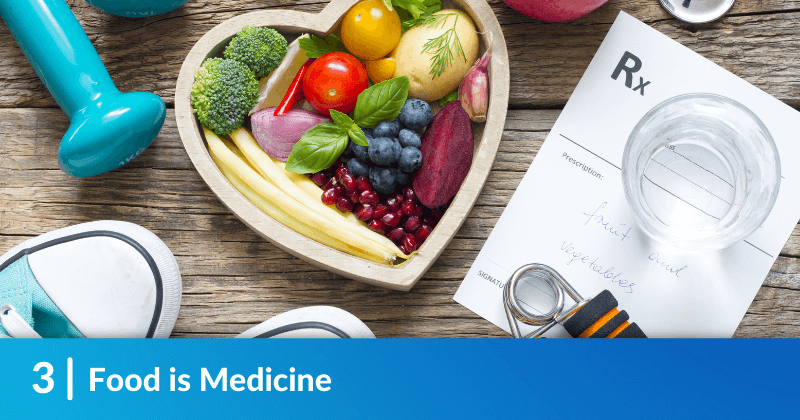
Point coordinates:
[[549, 219]]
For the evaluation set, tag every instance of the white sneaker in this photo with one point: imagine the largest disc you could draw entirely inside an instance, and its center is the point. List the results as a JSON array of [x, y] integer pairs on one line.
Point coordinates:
[[98, 279], [311, 322]]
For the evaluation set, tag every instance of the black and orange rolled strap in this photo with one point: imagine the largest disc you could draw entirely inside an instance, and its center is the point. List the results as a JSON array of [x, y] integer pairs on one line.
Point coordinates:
[[600, 318]]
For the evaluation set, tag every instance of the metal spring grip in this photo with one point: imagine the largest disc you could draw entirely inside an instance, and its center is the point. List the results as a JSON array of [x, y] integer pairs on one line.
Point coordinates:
[[515, 312]]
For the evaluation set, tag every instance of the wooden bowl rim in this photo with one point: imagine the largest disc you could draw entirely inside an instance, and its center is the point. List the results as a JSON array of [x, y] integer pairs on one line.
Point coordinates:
[[399, 277]]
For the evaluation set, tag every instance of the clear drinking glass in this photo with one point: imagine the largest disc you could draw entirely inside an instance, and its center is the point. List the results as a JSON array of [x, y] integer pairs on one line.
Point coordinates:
[[700, 172]]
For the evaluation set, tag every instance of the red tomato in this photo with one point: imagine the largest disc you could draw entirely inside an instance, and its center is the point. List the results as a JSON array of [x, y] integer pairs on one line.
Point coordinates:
[[334, 81]]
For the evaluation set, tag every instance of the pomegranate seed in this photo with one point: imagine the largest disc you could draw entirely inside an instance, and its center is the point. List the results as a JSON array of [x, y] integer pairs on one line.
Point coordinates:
[[348, 182], [393, 203], [380, 211], [364, 213], [319, 178], [362, 184], [403, 248], [429, 221], [339, 190], [353, 196], [344, 204], [329, 196], [409, 208], [413, 224], [341, 172], [391, 219], [328, 185], [410, 242], [369, 198], [396, 234], [400, 214], [418, 211], [399, 198], [337, 165], [423, 233], [410, 194], [377, 226], [436, 214]]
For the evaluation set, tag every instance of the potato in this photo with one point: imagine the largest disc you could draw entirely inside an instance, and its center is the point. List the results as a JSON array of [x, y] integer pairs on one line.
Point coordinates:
[[415, 64]]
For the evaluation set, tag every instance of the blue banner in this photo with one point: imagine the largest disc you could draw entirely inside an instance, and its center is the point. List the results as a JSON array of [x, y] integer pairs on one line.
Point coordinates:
[[405, 379]]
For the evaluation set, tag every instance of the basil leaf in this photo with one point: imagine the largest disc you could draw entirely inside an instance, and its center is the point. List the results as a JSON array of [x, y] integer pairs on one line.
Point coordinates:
[[316, 47], [317, 149], [388, 4], [341, 120], [357, 135], [381, 102], [452, 96]]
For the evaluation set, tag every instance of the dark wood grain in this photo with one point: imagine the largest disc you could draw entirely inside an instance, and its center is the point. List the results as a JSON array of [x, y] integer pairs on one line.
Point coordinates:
[[758, 40], [233, 279]]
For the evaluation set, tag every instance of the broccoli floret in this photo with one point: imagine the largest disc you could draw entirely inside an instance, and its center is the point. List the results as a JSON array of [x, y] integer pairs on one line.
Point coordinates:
[[223, 93], [262, 49]]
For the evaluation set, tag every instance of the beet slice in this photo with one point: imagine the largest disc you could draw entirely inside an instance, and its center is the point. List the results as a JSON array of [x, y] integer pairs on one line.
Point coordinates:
[[447, 148]]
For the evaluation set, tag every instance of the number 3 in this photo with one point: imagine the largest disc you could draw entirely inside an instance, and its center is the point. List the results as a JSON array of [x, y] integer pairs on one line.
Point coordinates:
[[46, 377]]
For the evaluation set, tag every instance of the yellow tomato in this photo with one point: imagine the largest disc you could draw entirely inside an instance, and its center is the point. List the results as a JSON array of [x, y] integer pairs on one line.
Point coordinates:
[[381, 70], [370, 30]]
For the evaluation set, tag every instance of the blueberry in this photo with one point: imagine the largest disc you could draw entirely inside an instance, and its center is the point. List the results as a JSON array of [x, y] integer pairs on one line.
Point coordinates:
[[383, 151], [349, 151], [398, 148], [416, 114], [409, 138], [362, 152], [383, 180], [402, 178], [410, 159], [357, 168], [387, 129], [368, 132]]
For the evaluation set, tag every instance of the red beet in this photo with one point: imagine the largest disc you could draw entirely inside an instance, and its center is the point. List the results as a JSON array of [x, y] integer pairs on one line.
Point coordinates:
[[447, 149]]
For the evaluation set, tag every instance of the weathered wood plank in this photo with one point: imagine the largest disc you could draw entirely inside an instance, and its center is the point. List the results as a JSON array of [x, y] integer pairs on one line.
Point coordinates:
[[233, 279], [757, 41]]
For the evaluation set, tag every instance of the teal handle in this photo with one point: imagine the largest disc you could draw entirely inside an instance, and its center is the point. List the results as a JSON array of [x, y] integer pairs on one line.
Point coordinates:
[[108, 128], [136, 8]]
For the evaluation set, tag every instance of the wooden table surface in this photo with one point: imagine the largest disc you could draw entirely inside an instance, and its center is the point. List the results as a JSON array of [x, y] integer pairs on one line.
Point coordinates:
[[233, 279]]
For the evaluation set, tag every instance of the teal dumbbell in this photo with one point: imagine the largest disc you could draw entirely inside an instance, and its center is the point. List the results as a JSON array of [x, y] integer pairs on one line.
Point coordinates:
[[108, 128], [136, 8]]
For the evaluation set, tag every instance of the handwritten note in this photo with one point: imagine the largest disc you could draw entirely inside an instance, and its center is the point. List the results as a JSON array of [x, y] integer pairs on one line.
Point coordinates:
[[570, 212]]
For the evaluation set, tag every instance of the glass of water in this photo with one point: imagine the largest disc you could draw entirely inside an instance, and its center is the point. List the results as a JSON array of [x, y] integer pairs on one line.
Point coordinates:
[[700, 172]]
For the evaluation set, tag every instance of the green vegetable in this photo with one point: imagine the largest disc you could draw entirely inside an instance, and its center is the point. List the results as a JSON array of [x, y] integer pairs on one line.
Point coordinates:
[[443, 46], [452, 96], [319, 148], [316, 47], [346, 123], [413, 12], [223, 93], [381, 102], [261, 49]]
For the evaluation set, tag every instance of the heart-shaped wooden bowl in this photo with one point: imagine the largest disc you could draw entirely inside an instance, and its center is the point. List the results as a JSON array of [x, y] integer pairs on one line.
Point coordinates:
[[291, 24]]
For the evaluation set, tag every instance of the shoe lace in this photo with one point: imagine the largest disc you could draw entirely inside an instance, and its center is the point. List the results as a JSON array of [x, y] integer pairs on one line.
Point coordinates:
[[14, 324]]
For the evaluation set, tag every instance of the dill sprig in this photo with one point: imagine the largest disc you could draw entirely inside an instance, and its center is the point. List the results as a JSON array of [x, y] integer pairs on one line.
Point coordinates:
[[445, 47]]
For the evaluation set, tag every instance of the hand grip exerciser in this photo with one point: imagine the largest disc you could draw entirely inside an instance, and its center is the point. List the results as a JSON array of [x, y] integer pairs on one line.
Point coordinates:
[[107, 128], [534, 284]]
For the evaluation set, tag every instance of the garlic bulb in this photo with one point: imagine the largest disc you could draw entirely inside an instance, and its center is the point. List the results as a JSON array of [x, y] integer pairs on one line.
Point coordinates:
[[474, 90]]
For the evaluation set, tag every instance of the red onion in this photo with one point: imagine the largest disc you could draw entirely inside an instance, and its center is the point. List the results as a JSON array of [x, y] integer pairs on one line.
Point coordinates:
[[277, 135]]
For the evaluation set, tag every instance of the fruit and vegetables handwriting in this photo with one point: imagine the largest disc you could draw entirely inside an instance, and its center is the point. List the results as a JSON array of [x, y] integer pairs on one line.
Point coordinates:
[[367, 170]]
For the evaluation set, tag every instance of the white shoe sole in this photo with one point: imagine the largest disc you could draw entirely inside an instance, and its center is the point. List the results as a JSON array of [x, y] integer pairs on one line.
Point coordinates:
[[159, 257], [311, 322]]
